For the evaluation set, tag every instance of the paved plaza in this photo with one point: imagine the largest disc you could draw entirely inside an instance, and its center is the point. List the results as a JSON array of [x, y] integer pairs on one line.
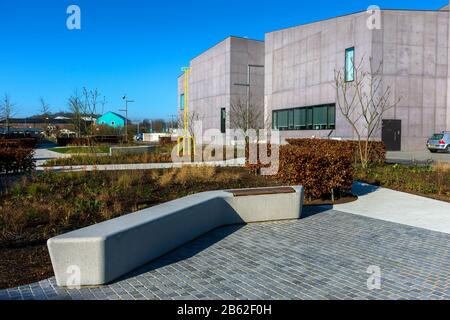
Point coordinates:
[[323, 256]]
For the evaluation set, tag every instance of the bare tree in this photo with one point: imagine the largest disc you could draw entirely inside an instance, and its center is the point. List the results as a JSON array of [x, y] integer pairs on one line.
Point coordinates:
[[243, 118], [6, 110], [363, 102], [45, 111], [89, 108], [192, 118], [76, 107], [104, 102]]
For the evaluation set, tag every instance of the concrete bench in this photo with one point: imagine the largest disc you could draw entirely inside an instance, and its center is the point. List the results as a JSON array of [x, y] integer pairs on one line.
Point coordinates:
[[108, 250]]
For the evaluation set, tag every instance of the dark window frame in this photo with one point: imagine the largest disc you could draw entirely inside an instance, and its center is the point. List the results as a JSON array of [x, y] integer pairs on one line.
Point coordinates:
[[309, 124], [223, 120]]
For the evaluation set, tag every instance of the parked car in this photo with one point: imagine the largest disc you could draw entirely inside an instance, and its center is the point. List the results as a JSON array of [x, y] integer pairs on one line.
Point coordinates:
[[139, 137], [439, 142]]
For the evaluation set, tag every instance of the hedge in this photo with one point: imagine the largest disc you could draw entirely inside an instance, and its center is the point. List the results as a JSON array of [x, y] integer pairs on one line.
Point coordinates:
[[322, 172], [323, 167], [377, 148], [16, 155], [22, 142]]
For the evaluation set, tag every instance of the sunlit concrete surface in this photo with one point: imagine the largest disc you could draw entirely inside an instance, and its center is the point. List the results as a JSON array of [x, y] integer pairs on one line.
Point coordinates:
[[399, 207]]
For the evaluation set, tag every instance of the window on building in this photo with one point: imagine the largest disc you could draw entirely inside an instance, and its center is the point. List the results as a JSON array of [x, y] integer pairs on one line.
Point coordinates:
[[322, 117], [275, 120], [291, 120], [282, 120], [182, 101], [223, 120], [350, 64], [113, 123]]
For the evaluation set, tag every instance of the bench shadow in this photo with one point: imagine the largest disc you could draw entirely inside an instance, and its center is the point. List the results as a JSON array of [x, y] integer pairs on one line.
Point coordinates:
[[185, 251], [309, 211], [361, 189]]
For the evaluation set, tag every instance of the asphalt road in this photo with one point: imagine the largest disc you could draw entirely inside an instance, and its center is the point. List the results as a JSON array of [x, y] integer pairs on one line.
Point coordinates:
[[404, 157]]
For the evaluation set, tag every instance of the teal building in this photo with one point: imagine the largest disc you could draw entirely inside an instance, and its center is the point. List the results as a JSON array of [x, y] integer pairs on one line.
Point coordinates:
[[112, 119]]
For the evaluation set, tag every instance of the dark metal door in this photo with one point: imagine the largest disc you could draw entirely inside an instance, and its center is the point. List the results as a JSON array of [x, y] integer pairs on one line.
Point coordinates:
[[391, 134]]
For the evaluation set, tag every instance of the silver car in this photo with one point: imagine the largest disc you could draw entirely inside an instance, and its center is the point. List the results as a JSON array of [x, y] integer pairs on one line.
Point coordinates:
[[439, 142]]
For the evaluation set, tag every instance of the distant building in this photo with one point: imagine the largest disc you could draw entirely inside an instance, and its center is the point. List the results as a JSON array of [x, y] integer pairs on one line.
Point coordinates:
[[112, 119], [38, 123]]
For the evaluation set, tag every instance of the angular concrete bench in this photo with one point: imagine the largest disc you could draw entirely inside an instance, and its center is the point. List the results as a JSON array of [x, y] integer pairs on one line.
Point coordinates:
[[108, 250]]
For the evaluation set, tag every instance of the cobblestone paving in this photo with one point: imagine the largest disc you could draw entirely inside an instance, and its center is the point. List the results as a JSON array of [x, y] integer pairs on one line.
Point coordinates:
[[324, 256]]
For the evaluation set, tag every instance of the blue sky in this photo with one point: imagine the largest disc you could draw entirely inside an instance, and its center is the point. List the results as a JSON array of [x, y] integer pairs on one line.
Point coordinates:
[[135, 46]]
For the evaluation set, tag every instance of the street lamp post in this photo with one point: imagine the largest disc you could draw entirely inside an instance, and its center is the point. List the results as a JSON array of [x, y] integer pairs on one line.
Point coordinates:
[[247, 85], [126, 115]]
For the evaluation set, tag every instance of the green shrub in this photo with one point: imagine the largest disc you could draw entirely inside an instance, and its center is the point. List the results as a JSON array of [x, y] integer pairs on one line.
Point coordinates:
[[16, 155], [322, 171], [377, 148]]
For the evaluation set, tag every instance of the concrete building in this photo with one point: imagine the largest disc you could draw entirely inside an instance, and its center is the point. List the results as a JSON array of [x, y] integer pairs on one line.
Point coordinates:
[[214, 77], [300, 63]]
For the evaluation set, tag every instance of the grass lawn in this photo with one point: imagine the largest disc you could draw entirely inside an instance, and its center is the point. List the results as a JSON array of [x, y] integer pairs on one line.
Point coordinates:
[[429, 181], [81, 150]]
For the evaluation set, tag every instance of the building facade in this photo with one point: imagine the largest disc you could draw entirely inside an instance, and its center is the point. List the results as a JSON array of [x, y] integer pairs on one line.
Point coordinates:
[[298, 84], [300, 95], [216, 79]]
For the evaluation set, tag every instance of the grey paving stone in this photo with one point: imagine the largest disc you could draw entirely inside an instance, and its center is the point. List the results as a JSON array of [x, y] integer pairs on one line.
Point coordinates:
[[324, 256]]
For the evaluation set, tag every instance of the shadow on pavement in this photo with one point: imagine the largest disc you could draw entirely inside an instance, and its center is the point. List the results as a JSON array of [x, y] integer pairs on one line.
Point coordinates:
[[361, 189], [186, 251], [309, 211]]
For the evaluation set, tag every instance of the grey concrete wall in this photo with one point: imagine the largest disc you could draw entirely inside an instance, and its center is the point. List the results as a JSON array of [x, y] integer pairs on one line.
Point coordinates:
[[413, 46], [214, 75], [209, 84], [300, 65], [247, 52]]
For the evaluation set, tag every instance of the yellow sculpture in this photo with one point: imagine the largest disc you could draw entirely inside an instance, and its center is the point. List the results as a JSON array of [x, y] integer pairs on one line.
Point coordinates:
[[186, 141]]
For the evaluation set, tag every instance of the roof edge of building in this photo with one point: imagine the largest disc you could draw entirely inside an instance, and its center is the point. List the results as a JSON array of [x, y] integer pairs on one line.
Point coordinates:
[[220, 42], [351, 14]]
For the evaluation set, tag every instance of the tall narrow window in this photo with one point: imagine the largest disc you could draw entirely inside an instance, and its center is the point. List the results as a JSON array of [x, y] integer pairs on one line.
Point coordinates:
[[182, 101], [349, 64], [291, 120], [223, 120], [275, 120], [332, 116]]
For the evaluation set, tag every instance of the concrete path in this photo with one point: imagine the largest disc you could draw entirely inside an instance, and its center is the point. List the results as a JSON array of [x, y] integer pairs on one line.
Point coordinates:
[[393, 206], [416, 156], [42, 155], [142, 166]]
